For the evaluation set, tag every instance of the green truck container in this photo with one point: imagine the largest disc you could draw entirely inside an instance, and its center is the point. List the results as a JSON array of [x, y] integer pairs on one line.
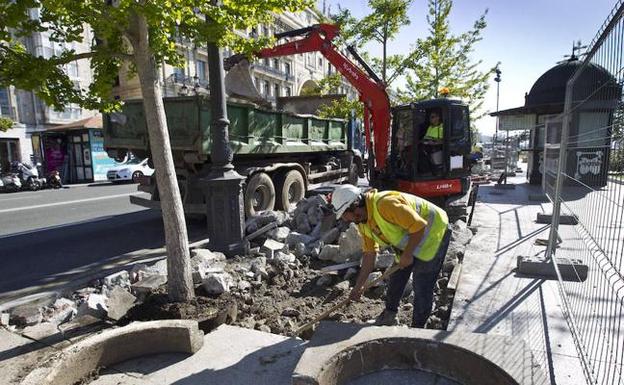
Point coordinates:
[[281, 154]]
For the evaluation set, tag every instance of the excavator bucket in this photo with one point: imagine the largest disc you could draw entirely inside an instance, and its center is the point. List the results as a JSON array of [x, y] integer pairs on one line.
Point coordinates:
[[239, 84]]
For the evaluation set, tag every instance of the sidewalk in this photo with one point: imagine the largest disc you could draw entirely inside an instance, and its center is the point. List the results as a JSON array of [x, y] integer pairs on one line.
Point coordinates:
[[492, 299]]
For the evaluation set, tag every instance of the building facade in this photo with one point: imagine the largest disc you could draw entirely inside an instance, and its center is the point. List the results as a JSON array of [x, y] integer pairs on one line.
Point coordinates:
[[274, 77], [31, 116]]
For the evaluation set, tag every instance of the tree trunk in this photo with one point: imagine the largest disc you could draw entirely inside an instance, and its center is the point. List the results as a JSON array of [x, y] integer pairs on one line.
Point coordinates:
[[180, 284]]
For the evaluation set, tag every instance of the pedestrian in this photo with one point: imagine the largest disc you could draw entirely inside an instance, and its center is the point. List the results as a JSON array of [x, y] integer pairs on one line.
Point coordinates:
[[417, 230]]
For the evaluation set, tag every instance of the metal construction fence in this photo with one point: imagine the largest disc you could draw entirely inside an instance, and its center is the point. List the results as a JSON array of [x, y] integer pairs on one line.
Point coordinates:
[[584, 178]]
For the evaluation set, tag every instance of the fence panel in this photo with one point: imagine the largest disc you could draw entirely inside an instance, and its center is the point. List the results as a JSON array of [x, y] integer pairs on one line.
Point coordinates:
[[584, 177]]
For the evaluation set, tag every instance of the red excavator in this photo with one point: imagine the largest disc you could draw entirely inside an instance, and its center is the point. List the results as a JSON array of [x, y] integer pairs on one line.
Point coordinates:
[[400, 155]]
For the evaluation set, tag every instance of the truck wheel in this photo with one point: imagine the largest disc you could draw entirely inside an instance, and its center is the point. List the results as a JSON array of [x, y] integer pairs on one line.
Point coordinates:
[[259, 194], [291, 189]]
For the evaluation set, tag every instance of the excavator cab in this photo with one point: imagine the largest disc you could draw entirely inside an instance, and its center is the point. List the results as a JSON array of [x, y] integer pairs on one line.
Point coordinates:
[[430, 148]]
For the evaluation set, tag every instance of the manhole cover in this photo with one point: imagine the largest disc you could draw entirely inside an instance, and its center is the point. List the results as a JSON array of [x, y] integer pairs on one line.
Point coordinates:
[[402, 377]]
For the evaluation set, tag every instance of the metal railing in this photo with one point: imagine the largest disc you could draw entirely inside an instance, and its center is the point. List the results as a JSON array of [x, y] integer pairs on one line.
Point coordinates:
[[584, 178]]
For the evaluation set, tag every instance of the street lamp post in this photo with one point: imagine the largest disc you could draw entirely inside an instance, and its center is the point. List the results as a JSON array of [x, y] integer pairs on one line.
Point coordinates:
[[222, 185], [497, 79]]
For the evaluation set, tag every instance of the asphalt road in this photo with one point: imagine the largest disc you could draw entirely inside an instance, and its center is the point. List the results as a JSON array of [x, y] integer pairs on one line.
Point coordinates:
[[52, 238]]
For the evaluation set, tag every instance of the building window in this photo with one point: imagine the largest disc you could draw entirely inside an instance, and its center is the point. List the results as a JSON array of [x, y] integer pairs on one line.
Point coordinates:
[[276, 64], [320, 61], [288, 91], [178, 74], [5, 106], [72, 69], [276, 90], [201, 69], [267, 88], [287, 68]]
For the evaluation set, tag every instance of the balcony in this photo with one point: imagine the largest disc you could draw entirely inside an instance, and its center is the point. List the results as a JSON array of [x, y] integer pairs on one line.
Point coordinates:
[[271, 70]]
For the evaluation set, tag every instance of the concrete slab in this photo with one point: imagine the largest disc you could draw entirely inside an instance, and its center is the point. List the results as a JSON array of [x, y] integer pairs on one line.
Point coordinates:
[[339, 353], [492, 298], [230, 355]]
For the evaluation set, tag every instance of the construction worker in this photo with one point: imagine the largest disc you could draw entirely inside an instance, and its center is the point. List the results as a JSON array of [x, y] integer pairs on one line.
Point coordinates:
[[416, 229], [433, 141]]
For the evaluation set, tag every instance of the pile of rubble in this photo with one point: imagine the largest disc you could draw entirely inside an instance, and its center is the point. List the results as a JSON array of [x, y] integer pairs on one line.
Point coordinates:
[[296, 264]]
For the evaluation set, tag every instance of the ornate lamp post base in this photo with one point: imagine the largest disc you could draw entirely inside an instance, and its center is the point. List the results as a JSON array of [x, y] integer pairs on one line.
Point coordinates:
[[225, 211]]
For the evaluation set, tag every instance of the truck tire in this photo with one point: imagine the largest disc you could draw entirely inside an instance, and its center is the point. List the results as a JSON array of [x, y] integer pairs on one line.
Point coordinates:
[[290, 188], [259, 194]]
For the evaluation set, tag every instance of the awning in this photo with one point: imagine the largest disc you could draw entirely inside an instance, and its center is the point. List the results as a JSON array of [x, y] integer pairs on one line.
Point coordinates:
[[92, 122]]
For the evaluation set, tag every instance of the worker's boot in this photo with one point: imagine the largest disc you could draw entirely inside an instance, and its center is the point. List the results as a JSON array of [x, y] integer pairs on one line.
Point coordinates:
[[387, 318]]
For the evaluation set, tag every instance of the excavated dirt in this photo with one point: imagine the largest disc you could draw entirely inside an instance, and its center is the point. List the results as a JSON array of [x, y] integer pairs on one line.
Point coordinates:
[[282, 304]]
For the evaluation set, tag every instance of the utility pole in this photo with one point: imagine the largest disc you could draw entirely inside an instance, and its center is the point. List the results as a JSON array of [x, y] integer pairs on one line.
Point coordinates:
[[222, 185]]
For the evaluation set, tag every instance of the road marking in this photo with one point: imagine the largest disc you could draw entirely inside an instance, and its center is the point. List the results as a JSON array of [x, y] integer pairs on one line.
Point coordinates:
[[67, 203]]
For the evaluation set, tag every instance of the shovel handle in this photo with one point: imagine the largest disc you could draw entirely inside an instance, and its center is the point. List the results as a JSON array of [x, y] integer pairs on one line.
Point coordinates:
[[346, 301]]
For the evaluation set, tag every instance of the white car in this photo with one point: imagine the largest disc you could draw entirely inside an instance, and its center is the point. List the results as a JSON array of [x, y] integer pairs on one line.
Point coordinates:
[[131, 170]]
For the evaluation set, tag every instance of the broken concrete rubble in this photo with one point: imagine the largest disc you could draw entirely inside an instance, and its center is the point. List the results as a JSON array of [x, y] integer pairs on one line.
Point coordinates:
[[119, 302], [121, 278], [148, 284], [26, 315], [4, 319], [279, 234], [95, 306], [331, 236], [350, 243], [217, 283], [285, 257], [270, 247], [295, 237], [61, 311], [330, 253]]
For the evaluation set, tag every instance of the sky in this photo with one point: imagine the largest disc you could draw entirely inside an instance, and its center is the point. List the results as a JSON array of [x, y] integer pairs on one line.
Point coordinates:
[[528, 37]]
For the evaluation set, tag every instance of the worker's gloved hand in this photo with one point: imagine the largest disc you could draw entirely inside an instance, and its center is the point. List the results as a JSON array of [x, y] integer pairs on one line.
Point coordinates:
[[355, 294], [406, 261]]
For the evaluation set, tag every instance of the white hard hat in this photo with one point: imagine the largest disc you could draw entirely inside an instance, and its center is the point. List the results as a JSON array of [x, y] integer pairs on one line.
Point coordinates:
[[343, 197]]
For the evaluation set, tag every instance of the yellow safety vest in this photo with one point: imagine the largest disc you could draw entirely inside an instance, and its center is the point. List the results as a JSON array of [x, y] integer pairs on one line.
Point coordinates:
[[435, 132], [437, 224]]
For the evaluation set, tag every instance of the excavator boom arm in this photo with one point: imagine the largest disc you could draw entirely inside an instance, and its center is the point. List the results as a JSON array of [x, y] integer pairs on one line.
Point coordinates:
[[371, 90]]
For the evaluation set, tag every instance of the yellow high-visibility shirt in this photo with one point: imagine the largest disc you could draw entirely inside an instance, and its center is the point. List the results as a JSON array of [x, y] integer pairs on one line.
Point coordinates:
[[435, 132], [394, 209]]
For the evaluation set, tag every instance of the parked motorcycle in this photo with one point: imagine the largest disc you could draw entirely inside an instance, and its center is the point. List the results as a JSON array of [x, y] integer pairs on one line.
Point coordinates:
[[29, 175], [9, 182]]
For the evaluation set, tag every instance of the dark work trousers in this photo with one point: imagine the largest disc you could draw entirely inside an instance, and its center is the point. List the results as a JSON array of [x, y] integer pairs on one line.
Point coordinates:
[[423, 281]]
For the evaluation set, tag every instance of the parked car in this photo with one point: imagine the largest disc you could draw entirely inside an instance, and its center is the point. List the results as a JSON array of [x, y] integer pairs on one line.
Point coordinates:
[[131, 170]]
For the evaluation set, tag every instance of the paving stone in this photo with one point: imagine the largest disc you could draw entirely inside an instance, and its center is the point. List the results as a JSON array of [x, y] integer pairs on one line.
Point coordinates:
[[270, 247], [95, 305], [119, 302], [148, 284], [121, 278]]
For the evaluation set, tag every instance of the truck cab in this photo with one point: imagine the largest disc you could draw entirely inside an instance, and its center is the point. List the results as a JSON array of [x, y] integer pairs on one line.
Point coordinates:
[[430, 148]]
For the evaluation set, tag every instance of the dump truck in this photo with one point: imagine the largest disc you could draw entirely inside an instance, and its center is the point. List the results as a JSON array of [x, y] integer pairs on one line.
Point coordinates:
[[281, 154]]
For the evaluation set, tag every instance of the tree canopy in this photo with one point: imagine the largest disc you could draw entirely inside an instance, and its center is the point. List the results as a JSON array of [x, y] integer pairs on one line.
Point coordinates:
[[169, 22], [443, 61]]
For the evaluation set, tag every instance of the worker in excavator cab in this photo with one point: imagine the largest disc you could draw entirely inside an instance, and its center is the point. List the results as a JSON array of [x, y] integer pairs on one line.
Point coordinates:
[[415, 228], [433, 142]]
